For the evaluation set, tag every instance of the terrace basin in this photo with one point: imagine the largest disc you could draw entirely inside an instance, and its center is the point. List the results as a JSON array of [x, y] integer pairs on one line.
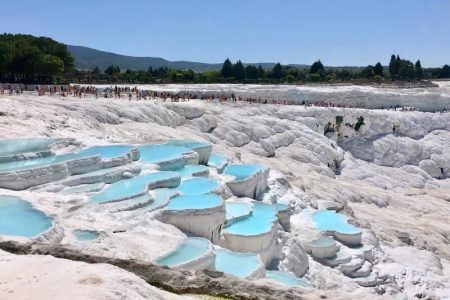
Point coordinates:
[[242, 265], [168, 157], [329, 220], [197, 186], [137, 186], [19, 218], [287, 279], [86, 235], [193, 254]]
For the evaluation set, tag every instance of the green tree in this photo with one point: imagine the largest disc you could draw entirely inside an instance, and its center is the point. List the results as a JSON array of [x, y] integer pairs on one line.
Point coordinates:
[[227, 69], [444, 72], [367, 72], [393, 66], [316, 67], [112, 70], [51, 65], [406, 70], [261, 72], [96, 70], [239, 71], [419, 71], [378, 69], [277, 72], [251, 72]]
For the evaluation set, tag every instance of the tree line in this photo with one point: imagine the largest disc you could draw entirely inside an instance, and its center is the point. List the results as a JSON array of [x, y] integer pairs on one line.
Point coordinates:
[[29, 59], [398, 69]]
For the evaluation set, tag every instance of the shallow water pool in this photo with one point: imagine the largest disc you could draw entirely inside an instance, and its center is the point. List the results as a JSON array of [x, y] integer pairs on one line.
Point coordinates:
[[188, 144], [203, 201], [19, 218], [189, 170], [133, 187], [217, 161], [236, 263], [197, 186], [190, 249], [242, 171], [237, 210], [39, 162], [287, 279], [333, 221], [21, 146], [261, 221], [158, 153], [86, 235], [108, 151]]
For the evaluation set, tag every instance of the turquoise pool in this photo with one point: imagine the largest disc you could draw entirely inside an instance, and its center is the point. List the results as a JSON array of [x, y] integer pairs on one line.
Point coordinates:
[[281, 206], [323, 242], [217, 161], [261, 221], [39, 162], [21, 146], [133, 187], [242, 171], [86, 235], [197, 186], [19, 218], [329, 220], [287, 279], [189, 170], [235, 263], [203, 201], [190, 249], [107, 152], [188, 144], [161, 197], [161, 152], [236, 210]]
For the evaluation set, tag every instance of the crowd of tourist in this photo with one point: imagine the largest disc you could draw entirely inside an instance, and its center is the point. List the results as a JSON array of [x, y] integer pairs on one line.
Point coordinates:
[[129, 93]]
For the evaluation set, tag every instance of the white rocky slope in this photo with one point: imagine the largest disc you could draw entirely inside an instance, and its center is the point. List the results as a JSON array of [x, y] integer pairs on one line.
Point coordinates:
[[41, 277], [385, 181]]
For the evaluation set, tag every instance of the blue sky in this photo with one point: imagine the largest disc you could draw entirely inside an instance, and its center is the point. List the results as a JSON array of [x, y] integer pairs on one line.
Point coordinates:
[[344, 32]]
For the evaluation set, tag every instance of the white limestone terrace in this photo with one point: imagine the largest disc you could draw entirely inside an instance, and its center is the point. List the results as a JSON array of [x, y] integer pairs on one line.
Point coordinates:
[[25, 173], [399, 209]]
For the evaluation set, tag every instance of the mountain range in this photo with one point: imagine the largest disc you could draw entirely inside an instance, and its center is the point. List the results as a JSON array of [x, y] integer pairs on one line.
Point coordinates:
[[88, 58]]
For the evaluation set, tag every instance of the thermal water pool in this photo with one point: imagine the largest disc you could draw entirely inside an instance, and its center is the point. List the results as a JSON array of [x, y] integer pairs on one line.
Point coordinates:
[[241, 172], [105, 152], [19, 218], [191, 249], [237, 210], [86, 235], [287, 279], [27, 145], [187, 202], [235, 263], [259, 222], [193, 170], [159, 153], [329, 220], [197, 186], [136, 186], [217, 161]]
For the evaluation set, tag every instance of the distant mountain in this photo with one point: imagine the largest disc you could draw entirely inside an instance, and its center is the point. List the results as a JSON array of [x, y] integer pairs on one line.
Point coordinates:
[[87, 58]]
